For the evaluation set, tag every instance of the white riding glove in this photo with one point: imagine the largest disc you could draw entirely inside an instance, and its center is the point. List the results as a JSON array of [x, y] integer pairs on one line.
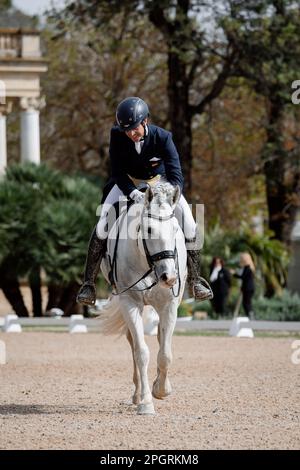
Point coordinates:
[[137, 196]]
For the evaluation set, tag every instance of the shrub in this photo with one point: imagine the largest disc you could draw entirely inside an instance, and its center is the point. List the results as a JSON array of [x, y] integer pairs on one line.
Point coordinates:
[[279, 308], [185, 309], [285, 307], [270, 256], [46, 219], [204, 306]]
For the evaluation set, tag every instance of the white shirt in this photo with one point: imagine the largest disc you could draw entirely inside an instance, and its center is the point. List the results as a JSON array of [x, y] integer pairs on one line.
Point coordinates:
[[140, 143], [215, 273], [138, 148]]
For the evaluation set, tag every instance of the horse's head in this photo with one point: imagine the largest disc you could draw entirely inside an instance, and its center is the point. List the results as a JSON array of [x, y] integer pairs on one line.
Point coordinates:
[[158, 231]]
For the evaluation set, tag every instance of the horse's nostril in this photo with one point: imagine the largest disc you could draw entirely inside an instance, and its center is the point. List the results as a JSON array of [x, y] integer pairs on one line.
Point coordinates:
[[164, 277]]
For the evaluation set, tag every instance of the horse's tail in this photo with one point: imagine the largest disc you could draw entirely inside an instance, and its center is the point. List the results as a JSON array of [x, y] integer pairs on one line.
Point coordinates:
[[111, 318]]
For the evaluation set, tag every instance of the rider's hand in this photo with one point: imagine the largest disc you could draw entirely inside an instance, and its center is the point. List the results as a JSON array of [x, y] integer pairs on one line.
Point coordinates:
[[137, 196]]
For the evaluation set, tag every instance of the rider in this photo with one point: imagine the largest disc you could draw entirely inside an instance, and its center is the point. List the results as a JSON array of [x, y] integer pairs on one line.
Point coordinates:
[[140, 152]]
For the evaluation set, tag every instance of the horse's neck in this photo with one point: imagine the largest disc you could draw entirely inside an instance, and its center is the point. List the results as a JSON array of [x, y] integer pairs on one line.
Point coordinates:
[[131, 253]]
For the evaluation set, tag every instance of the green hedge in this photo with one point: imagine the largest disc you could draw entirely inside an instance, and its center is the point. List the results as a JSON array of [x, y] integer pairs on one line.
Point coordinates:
[[270, 256], [285, 307], [278, 308]]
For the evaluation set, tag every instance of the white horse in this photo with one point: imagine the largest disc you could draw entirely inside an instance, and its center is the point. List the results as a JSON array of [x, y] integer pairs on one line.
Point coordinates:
[[149, 269]]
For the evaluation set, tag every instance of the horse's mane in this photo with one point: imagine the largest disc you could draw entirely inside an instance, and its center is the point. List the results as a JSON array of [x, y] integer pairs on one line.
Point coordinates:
[[163, 192]]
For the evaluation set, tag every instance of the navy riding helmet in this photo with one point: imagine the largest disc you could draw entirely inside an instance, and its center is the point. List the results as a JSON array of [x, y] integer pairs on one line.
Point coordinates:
[[131, 112]]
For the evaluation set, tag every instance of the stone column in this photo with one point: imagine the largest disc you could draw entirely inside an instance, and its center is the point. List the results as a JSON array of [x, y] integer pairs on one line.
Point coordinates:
[[4, 110], [30, 129]]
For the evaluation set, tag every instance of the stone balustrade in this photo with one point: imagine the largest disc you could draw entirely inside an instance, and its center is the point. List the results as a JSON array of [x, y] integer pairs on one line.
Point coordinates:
[[19, 43]]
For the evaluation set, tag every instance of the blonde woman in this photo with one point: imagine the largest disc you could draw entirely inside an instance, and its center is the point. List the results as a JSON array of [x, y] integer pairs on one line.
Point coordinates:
[[248, 284]]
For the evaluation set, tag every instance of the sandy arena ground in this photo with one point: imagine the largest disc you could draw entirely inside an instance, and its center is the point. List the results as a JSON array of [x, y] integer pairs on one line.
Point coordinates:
[[62, 391]]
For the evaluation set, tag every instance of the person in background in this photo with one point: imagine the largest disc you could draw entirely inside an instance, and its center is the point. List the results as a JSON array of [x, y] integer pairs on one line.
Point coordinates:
[[220, 281], [248, 283]]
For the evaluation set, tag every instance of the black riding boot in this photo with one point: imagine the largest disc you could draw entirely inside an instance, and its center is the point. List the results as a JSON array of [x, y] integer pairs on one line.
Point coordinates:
[[199, 291], [96, 251]]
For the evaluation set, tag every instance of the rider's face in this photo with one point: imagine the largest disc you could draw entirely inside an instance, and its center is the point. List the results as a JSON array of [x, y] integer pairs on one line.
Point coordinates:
[[137, 133]]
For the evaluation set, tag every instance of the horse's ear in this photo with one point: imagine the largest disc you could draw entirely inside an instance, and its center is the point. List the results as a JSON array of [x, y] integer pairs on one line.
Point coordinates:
[[176, 195], [148, 196]]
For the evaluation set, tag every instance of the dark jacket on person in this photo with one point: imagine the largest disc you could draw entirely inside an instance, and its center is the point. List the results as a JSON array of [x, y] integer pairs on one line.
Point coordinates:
[[222, 284], [158, 156], [247, 277]]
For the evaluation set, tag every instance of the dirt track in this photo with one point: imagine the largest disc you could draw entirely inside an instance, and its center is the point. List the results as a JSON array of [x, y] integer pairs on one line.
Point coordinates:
[[62, 391]]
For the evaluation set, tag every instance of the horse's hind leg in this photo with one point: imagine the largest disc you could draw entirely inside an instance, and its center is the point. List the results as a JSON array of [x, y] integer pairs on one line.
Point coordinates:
[[161, 385], [133, 319], [136, 398]]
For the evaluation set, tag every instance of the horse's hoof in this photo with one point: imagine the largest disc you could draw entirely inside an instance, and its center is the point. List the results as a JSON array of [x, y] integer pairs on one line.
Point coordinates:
[[146, 409], [136, 399], [160, 393]]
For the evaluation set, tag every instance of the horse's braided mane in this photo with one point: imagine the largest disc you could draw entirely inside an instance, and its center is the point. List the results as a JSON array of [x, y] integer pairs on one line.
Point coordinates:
[[163, 192]]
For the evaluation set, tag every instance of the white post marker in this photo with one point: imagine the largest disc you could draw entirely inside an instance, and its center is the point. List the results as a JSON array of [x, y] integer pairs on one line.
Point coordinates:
[[11, 324], [77, 324], [151, 320], [56, 312], [239, 329], [2, 353]]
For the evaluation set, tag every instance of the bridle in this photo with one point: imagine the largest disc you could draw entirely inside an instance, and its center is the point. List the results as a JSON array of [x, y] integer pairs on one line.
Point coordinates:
[[166, 254], [151, 259]]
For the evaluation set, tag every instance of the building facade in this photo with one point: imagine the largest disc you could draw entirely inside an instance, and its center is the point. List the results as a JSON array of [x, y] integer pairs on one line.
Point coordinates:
[[21, 66]]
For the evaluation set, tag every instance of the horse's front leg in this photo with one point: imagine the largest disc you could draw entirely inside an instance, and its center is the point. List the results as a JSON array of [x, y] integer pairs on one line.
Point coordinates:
[[136, 398], [167, 320], [133, 318]]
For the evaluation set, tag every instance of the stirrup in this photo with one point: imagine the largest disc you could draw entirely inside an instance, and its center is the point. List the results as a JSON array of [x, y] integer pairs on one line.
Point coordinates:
[[206, 294], [206, 284]]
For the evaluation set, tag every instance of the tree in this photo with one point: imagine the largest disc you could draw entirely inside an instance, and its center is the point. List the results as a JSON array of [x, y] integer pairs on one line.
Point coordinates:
[[189, 50], [266, 34], [227, 143], [5, 4], [45, 223], [89, 73], [255, 39], [11, 17]]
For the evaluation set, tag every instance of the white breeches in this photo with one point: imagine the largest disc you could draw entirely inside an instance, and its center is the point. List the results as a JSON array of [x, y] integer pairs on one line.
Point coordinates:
[[183, 214]]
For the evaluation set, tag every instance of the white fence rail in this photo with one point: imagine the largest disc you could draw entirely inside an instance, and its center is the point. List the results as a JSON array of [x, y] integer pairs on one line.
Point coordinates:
[[181, 325]]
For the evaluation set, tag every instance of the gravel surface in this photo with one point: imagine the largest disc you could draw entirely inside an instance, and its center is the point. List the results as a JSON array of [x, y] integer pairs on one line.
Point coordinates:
[[62, 391]]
